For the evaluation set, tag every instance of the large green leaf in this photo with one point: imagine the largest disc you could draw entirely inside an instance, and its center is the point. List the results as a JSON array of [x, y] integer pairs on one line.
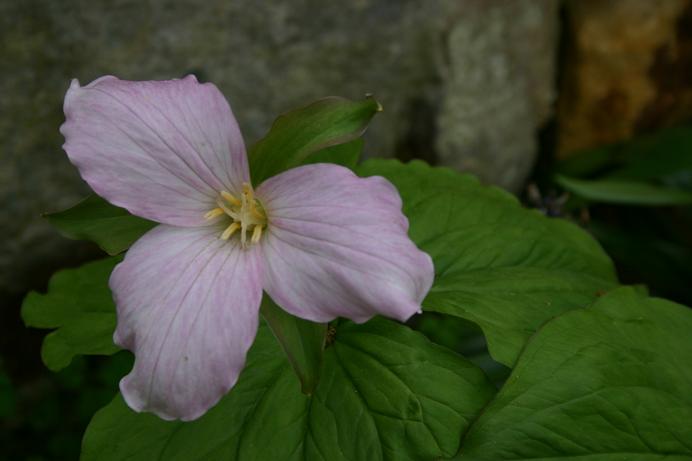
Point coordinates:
[[625, 191], [302, 341], [302, 132], [611, 382], [497, 264], [79, 304], [386, 394], [94, 219]]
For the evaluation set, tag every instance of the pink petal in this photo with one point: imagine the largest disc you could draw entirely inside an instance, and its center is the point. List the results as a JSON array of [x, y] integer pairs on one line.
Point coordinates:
[[188, 306], [160, 149], [337, 246]]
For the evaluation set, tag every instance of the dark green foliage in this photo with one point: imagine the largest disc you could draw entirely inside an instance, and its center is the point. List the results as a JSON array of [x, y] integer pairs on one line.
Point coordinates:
[[497, 264]]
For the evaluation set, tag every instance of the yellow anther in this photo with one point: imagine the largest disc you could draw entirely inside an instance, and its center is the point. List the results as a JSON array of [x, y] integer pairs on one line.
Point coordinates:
[[230, 230], [214, 213], [258, 214], [256, 234], [246, 214], [230, 198], [227, 210], [243, 233], [247, 190]]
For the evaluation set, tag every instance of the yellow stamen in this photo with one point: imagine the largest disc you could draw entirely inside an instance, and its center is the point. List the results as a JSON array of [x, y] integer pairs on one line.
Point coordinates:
[[246, 213], [230, 198], [214, 213], [227, 210], [243, 233], [229, 231], [256, 234], [247, 190]]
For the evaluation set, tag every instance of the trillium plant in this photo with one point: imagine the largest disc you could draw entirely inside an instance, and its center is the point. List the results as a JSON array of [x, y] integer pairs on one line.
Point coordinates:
[[322, 242], [291, 302]]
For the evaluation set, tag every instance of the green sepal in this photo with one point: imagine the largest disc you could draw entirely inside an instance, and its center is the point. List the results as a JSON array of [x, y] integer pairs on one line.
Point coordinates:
[[112, 228], [300, 133], [302, 341]]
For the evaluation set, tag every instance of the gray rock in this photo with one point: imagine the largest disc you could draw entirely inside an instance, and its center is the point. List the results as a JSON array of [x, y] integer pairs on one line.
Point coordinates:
[[498, 88], [466, 81]]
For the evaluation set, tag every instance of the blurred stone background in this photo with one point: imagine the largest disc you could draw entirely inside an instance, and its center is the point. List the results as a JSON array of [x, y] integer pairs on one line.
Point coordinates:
[[483, 86], [466, 83]]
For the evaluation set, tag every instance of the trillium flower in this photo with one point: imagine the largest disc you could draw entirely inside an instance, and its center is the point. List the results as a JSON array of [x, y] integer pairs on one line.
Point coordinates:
[[322, 242]]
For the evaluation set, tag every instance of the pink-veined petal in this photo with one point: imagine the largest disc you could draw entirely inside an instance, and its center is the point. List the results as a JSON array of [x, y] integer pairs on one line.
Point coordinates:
[[160, 149], [188, 307], [337, 246]]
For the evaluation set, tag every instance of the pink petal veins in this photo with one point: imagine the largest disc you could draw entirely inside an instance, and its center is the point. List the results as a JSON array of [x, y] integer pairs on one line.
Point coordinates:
[[161, 149], [188, 307], [337, 246]]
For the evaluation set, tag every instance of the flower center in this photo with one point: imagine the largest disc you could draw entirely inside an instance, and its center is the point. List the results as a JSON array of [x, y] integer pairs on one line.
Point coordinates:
[[246, 213]]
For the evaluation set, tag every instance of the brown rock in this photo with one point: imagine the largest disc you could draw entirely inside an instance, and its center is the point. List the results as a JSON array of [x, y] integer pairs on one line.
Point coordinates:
[[628, 69]]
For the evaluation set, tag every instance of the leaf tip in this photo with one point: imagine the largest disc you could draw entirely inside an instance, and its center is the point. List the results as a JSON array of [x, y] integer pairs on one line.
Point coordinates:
[[378, 105]]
